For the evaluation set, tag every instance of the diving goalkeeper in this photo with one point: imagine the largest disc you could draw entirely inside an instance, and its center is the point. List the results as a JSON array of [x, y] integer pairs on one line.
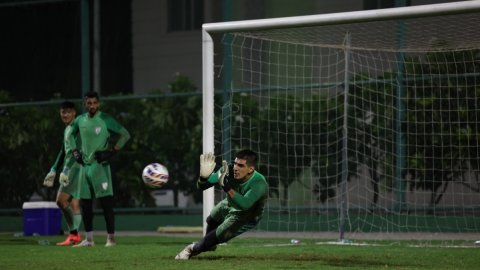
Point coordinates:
[[243, 206]]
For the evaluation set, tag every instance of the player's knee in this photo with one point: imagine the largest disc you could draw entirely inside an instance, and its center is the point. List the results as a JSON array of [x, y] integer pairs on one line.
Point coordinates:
[[212, 222], [86, 205], [75, 207], [107, 202], [62, 204], [225, 236]]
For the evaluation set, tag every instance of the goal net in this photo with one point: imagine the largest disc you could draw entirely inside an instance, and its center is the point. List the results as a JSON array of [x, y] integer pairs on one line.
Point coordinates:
[[367, 126]]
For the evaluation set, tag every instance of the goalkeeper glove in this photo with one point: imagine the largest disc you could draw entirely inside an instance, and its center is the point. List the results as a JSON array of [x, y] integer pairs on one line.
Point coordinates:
[[48, 181], [207, 164], [64, 180], [77, 155], [103, 156], [223, 179]]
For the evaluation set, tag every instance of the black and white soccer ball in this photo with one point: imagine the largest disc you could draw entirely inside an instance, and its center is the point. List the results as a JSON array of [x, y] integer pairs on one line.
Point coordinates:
[[155, 175]]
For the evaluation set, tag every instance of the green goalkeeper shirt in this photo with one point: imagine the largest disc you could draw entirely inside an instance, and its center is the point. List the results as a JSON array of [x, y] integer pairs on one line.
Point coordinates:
[[250, 196], [66, 150], [95, 134]]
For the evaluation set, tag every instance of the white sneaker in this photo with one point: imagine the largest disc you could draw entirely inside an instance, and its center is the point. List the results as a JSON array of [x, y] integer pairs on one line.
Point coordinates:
[[110, 243], [477, 242], [85, 243], [185, 254]]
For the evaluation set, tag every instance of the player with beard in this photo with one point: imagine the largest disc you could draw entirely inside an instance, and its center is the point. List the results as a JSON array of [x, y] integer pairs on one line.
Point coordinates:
[[95, 128]]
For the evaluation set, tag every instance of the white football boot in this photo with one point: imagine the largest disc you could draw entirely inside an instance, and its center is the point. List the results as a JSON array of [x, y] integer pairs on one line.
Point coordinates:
[[85, 243], [110, 243], [185, 254]]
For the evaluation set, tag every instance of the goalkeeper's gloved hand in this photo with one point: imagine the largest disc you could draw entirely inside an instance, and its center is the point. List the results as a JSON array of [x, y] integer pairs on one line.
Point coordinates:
[[77, 155], [103, 156], [64, 179], [223, 179], [207, 164], [48, 181]]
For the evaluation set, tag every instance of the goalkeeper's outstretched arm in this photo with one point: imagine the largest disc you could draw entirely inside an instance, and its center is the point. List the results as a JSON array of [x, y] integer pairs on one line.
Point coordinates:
[[203, 184], [207, 178]]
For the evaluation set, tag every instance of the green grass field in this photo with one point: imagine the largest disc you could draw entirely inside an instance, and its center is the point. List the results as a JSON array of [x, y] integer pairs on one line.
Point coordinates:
[[157, 252]]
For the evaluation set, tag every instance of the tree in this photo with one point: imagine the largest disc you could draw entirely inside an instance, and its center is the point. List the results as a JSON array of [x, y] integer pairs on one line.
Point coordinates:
[[442, 120], [167, 129]]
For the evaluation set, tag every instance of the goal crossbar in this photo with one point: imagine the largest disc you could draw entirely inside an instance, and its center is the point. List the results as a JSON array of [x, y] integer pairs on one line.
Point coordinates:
[[345, 17]]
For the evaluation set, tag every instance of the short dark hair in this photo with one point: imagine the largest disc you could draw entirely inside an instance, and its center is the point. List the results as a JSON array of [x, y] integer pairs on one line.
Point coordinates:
[[248, 155], [92, 94], [67, 105]]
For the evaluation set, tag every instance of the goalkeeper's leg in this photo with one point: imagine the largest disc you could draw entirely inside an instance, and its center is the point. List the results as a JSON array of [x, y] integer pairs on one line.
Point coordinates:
[[107, 203], [212, 224], [87, 215], [77, 214], [230, 228], [209, 241], [70, 212], [63, 202]]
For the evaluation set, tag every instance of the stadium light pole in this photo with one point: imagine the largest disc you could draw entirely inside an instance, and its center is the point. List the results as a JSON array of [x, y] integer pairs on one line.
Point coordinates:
[[85, 46], [96, 47], [227, 86]]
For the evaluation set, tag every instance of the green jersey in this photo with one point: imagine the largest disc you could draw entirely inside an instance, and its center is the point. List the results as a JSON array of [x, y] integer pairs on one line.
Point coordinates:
[[66, 158], [250, 196], [95, 134], [66, 150]]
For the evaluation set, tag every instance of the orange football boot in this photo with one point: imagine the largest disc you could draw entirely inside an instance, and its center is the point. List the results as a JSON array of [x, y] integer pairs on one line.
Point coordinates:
[[72, 239]]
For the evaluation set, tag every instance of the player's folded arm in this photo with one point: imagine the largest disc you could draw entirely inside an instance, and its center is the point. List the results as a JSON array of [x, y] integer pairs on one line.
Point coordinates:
[[105, 155]]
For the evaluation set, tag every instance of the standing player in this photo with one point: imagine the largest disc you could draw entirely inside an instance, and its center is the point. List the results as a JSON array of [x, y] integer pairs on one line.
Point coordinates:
[[240, 211], [68, 192], [95, 128]]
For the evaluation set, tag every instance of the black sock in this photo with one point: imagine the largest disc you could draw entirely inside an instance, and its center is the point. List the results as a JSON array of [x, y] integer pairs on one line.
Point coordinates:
[[87, 214], [107, 205], [208, 242]]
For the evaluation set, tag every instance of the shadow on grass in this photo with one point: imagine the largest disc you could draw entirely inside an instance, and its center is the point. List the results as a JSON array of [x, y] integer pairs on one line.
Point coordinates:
[[347, 261], [18, 241]]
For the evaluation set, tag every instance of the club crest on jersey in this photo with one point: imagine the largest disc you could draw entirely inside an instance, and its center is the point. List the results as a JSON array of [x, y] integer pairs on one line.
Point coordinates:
[[104, 186], [98, 130]]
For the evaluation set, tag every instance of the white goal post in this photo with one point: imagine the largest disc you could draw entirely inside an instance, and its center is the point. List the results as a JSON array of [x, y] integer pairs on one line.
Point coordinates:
[[276, 37]]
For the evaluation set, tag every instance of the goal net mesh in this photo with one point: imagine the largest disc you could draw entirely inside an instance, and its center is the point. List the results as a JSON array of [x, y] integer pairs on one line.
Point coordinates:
[[360, 127]]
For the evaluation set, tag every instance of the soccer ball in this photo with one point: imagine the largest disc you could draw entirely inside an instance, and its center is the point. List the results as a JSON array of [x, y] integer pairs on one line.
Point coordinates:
[[155, 175]]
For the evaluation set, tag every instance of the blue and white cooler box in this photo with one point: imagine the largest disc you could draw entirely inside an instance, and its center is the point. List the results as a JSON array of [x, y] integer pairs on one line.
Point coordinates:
[[41, 218]]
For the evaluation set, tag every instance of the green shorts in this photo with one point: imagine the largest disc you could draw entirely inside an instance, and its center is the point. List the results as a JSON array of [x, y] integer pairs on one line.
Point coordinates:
[[96, 181], [233, 222], [73, 188]]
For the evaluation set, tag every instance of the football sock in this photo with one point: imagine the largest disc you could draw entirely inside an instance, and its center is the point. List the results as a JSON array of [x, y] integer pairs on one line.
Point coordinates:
[[77, 220], [68, 215], [111, 236], [208, 242], [87, 214], [107, 205], [89, 236]]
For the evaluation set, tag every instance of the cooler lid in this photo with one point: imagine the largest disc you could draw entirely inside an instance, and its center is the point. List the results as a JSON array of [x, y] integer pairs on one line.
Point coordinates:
[[33, 205]]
